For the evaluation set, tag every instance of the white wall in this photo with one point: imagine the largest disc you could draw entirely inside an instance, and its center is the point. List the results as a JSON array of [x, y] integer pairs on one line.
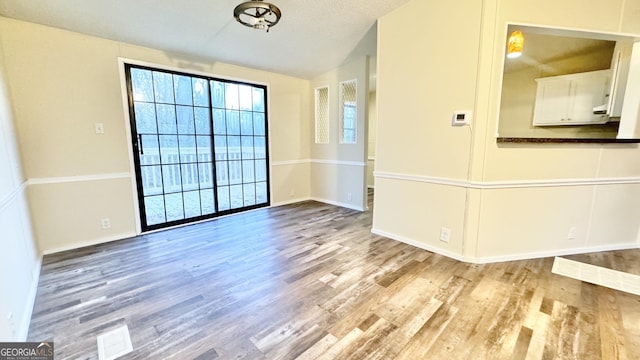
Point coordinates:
[[64, 82], [338, 171], [589, 187], [19, 262], [501, 201], [423, 77]]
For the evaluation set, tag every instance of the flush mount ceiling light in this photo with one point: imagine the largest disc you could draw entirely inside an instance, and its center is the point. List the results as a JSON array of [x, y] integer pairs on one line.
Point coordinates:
[[515, 44], [257, 14]]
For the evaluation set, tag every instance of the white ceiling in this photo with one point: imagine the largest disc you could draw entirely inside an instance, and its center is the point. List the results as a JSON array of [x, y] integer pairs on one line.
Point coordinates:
[[312, 37]]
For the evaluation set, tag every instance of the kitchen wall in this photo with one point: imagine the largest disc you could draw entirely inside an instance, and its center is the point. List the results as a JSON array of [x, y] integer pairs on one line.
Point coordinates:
[[499, 201]]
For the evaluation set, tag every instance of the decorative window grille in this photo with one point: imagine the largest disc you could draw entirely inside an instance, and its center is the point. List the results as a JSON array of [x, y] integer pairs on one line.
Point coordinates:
[[322, 115], [348, 112]]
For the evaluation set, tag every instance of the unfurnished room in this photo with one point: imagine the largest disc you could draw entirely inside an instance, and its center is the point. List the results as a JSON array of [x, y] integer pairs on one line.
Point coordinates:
[[280, 179]]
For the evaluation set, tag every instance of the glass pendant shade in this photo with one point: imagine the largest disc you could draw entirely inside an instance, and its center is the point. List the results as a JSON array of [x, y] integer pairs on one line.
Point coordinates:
[[515, 45]]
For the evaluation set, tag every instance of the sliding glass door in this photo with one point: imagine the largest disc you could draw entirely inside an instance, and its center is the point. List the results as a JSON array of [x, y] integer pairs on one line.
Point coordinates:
[[200, 146]]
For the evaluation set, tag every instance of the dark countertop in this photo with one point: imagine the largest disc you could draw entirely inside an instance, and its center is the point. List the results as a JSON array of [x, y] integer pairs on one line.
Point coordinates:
[[565, 140]]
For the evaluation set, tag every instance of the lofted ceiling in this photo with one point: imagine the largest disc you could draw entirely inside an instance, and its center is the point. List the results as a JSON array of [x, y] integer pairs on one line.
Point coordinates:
[[312, 37]]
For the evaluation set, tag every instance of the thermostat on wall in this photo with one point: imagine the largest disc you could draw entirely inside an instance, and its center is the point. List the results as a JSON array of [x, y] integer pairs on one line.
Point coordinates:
[[461, 118]]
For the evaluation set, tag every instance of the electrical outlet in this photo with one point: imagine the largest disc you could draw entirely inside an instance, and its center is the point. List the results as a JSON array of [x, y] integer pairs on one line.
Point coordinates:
[[292, 193], [349, 197], [106, 224], [445, 234], [99, 128], [572, 233]]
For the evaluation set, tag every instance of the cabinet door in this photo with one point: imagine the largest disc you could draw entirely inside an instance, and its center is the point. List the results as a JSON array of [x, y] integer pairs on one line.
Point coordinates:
[[551, 102], [587, 93]]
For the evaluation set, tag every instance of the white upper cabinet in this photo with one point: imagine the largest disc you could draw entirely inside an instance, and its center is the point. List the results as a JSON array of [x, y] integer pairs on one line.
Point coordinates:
[[570, 99]]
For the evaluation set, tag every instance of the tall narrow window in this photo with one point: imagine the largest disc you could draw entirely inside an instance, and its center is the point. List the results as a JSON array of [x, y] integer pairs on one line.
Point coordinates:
[[200, 146], [348, 112], [322, 115]]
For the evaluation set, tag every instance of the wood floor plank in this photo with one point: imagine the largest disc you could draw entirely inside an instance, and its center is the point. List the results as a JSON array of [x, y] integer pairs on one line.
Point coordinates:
[[310, 281], [320, 348]]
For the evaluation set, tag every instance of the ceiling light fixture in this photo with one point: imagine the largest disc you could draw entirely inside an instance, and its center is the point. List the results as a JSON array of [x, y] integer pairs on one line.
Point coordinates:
[[257, 14], [515, 45]]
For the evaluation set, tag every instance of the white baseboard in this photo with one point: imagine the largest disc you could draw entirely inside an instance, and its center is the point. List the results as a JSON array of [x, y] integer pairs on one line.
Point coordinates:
[[82, 244], [30, 302], [558, 252], [510, 257], [336, 203], [289, 202], [325, 201], [423, 246]]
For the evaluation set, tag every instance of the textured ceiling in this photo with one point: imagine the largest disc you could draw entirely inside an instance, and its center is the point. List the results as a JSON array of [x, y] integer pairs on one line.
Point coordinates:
[[312, 37]]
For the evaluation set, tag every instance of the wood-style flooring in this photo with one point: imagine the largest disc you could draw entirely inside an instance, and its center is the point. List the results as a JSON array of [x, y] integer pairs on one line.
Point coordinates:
[[310, 281]]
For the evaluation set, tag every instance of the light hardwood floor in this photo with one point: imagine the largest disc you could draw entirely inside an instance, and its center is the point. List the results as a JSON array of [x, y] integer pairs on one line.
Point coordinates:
[[309, 281]]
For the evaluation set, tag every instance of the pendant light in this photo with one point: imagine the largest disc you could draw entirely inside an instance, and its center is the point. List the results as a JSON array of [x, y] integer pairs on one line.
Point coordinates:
[[515, 44]]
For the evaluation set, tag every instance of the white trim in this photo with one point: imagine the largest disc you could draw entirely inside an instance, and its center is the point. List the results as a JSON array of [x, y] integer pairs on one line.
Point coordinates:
[[127, 126], [336, 203], [289, 202], [575, 32], [82, 244], [503, 258], [506, 184], [558, 252], [423, 246], [290, 162], [82, 178], [31, 301], [338, 162], [11, 197]]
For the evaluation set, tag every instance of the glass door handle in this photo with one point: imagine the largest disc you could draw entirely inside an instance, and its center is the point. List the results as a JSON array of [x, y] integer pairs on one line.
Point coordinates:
[[140, 144]]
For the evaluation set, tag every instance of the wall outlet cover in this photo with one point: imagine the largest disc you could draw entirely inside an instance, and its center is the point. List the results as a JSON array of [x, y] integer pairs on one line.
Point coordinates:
[[445, 234]]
